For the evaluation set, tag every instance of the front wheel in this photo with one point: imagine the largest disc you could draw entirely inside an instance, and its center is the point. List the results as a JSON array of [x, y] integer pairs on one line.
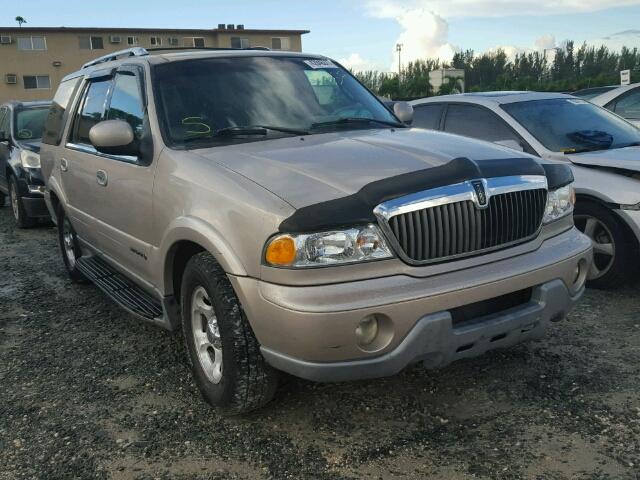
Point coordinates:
[[2, 199], [225, 357], [19, 213], [612, 248]]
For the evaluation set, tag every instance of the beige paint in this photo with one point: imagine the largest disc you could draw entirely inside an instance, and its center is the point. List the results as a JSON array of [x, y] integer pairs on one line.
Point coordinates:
[[63, 45]]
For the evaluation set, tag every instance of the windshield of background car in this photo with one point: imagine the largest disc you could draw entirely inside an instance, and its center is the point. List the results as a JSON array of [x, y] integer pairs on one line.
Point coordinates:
[[197, 98], [572, 125], [29, 123]]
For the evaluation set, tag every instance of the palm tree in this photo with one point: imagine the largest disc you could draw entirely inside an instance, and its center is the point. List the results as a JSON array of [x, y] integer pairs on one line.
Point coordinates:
[[452, 85], [20, 20]]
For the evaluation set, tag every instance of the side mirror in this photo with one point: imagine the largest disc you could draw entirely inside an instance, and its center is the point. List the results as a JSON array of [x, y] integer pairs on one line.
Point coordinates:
[[404, 112], [510, 143], [114, 137]]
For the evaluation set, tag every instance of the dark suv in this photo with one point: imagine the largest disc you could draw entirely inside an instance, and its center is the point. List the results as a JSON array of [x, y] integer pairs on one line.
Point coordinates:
[[21, 125]]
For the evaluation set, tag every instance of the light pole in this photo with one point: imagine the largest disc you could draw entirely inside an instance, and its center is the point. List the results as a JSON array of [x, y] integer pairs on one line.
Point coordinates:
[[399, 50]]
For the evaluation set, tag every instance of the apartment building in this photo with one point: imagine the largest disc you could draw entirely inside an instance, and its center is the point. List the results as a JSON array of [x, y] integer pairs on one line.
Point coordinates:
[[34, 60]]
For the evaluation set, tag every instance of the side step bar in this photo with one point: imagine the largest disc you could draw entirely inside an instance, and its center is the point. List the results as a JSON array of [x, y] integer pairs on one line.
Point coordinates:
[[121, 290]]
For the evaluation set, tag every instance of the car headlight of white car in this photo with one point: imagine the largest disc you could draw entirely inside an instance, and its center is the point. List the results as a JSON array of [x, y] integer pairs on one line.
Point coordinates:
[[560, 203], [335, 247], [29, 159]]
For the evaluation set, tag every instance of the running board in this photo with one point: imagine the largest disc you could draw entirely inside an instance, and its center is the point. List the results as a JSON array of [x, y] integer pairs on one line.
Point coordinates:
[[121, 290]]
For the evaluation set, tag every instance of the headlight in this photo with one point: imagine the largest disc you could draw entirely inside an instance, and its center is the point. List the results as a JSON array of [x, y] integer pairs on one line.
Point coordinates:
[[560, 202], [360, 244], [29, 159]]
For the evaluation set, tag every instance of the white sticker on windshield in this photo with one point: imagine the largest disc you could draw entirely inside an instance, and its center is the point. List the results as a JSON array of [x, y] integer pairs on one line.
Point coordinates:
[[577, 101], [320, 64]]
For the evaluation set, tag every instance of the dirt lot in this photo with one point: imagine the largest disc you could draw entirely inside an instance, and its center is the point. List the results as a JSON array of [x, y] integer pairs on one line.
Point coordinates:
[[86, 391]]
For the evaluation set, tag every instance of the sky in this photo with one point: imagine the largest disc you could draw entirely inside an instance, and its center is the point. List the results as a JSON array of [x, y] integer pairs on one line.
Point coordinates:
[[362, 34]]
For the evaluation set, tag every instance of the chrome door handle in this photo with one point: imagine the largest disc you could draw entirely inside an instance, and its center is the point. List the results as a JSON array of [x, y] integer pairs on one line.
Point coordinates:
[[101, 178], [64, 164]]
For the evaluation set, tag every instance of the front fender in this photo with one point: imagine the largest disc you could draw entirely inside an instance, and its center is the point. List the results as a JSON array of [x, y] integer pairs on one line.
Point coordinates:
[[200, 232]]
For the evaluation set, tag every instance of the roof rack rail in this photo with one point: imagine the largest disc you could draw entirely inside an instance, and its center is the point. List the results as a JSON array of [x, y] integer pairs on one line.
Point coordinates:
[[178, 49], [127, 52]]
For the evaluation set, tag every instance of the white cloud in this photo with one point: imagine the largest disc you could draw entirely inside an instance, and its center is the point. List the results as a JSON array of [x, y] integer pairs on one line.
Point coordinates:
[[493, 8], [356, 63], [628, 38]]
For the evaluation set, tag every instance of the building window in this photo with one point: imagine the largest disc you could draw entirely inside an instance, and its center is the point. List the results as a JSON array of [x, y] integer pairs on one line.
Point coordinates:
[[173, 41], [280, 43], [156, 41], [91, 43], [36, 82], [132, 41], [196, 42], [32, 43], [237, 42]]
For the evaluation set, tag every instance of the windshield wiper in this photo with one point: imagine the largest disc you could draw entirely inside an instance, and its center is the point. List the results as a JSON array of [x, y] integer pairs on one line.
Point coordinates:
[[256, 130], [357, 120]]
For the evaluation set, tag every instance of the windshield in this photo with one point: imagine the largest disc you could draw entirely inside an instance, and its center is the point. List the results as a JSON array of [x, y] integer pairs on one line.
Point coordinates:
[[216, 100], [589, 93], [29, 123], [573, 125]]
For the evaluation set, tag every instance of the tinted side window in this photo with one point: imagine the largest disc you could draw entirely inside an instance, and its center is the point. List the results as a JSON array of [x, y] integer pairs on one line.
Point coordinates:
[[629, 105], [54, 124], [126, 102], [427, 116], [91, 111], [477, 122], [4, 122]]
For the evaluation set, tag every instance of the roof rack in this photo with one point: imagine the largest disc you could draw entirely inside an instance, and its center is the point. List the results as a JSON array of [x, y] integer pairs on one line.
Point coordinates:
[[215, 49], [128, 52]]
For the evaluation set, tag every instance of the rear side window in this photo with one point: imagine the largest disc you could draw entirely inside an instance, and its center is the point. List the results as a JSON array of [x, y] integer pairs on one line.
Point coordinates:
[[57, 116], [628, 106], [477, 122], [4, 122], [91, 111], [427, 116]]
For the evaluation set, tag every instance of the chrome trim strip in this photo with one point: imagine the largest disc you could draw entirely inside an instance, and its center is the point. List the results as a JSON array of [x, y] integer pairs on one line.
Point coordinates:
[[458, 192], [451, 194], [92, 151]]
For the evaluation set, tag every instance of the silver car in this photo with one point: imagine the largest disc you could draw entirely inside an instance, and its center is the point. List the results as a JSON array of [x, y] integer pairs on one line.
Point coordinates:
[[274, 210], [602, 149]]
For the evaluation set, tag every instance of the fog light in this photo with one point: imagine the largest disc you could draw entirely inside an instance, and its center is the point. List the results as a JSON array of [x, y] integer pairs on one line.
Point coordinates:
[[367, 330]]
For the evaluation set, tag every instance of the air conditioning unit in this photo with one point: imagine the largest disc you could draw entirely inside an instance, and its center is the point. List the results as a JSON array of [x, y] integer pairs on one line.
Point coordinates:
[[11, 78], [240, 27], [231, 26], [221, 26], [115, 39], [5, 39]]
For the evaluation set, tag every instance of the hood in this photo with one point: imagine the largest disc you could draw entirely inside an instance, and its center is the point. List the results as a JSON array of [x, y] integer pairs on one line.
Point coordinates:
[[307, 170], [624, 158], [31, 145]]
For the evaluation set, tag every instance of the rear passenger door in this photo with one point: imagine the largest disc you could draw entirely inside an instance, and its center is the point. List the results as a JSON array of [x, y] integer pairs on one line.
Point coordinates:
[[5, 151], [479, 122]]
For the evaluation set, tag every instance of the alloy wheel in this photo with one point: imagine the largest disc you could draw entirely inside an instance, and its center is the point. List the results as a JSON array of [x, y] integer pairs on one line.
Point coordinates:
[[604, 248], [206, 335], [68, 240]]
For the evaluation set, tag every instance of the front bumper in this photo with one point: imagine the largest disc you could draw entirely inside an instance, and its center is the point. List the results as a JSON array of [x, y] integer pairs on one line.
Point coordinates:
[[309, 331]]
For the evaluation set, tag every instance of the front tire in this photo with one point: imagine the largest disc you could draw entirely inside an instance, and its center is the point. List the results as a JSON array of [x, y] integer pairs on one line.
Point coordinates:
[[19, 213], [224, 354], [69, 247], [2, 199], [613, 250]]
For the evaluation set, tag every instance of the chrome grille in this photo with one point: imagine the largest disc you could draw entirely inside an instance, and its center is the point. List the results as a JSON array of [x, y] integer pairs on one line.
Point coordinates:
[[443, 225]]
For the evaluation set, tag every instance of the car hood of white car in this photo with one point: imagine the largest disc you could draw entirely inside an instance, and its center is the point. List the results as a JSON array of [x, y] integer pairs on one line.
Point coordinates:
[[627, 158]]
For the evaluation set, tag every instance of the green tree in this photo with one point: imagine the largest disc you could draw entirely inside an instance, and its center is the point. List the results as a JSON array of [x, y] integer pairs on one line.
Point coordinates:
[[20, 20]]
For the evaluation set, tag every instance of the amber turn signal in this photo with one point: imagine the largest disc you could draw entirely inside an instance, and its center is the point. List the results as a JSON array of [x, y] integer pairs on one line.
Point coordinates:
[[281, 251]]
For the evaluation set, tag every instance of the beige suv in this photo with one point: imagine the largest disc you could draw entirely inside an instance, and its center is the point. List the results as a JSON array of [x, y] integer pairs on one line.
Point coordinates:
[[278, 213]]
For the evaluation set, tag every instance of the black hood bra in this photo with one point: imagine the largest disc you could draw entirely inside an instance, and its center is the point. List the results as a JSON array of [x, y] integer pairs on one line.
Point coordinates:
[[357, 209]]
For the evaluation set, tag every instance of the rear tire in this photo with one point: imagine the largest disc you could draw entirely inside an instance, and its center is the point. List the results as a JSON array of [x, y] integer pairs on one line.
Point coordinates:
[[224, 354], [613, 249], [2, 199], [69, 247], [19, 213]]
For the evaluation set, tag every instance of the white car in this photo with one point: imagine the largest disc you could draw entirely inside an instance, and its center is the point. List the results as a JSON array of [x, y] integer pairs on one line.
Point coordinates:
[[603, 149], [624, 101]]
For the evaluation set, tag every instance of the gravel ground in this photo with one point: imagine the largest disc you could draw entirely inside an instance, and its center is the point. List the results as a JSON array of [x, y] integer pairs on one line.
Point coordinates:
[[86, 391]]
